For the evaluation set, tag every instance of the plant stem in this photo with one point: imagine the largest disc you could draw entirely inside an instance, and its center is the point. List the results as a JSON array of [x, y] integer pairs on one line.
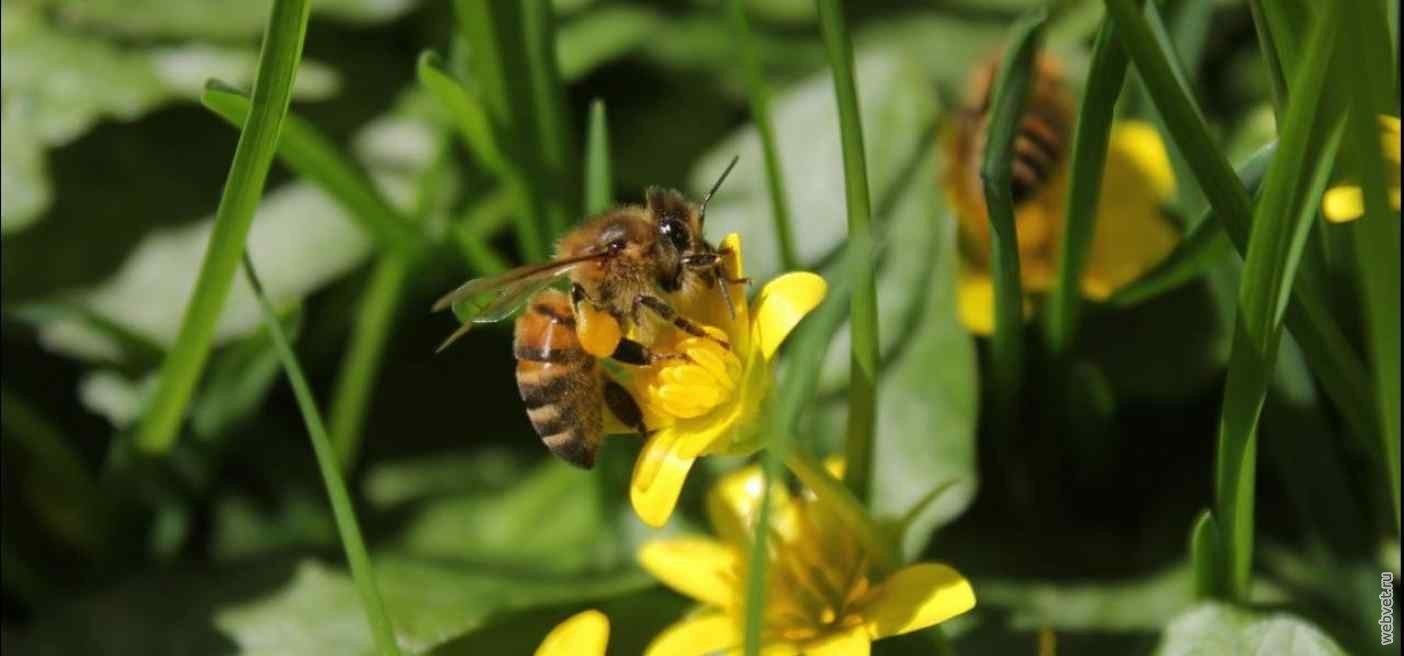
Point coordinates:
[[759, 95], [863, 318], [342, 510], [599, 177], [277, 66]]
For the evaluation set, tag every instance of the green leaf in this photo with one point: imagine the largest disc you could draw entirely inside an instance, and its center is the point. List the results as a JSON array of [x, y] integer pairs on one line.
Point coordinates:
[[862, 246], [599, 175], [1088, 159], [60, 81], [1205, 545], [211, 20], [1213, 628], [1008, 93], [596, 37], [282, 50], [239, 379], [1133, 605]]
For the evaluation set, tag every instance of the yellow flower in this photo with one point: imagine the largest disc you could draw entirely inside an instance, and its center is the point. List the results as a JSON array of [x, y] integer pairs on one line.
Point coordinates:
[[583, 634], [708, 403], [822, 595], [1130, 236], [1346, 202]]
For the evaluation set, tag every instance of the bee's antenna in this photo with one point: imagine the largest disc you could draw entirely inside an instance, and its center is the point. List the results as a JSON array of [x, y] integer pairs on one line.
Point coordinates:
[[702, 211]]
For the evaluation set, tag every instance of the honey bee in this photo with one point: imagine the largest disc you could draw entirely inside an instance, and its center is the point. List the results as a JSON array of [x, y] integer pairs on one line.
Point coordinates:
[[1041, 143], [623, 267]]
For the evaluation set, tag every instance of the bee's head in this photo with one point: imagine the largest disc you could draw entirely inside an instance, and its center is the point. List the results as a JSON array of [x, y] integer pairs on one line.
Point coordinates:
[[678, 222]]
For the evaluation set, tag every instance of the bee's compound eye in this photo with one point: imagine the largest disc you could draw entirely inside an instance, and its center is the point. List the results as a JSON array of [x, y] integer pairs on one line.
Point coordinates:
[[617, 246], [676, 233]]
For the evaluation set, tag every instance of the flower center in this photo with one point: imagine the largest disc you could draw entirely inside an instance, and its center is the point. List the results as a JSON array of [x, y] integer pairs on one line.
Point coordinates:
[[692, 387]]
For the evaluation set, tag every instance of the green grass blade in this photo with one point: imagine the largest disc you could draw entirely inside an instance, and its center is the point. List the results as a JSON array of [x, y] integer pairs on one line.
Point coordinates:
[[553, 134], [1277, 80], [862, 387], [1011, 89], [310, 154], [258, 140], [467, 111], [1377, 233], [1283, 218], [1089, 157], [599, 176], [1310, 318], [361, 365], [496, 32], [1199, 251], [342, 511], [1209, 575], [759, 94]]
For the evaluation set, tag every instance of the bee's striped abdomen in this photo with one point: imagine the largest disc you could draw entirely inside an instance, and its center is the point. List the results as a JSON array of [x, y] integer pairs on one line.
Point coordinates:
[[559, 382], [1038, 148]]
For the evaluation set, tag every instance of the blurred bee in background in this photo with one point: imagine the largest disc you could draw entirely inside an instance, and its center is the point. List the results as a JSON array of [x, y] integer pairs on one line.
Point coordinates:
[[623, 266], [1132, 232]]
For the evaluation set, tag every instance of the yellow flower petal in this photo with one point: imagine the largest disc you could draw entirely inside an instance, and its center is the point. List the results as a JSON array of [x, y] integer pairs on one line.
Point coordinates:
[[1343, 204], [658, 478], [693, 636], [701, 568], [733, 505], [781, 304], [854, 642], [583, 634], [916, 597], [975, 303], [1389, 137], [1142, 145]]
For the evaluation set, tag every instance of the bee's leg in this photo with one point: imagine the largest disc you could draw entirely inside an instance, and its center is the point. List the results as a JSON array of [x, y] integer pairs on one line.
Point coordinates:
[[661, 308], [634, 353], [623, 405], [712, 262]]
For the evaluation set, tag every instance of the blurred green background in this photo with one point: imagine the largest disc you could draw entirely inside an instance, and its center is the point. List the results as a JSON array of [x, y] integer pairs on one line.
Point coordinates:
[[111, 174]]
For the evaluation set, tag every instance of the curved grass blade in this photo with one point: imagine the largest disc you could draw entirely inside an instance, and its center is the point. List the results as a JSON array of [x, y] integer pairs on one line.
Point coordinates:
[[1089, 157], [1010, 92], [1201, 249], [361, 365], [862, 388], [557, 143], [1377, 233], [1328, 350], [342, 510], [759, 95], [599, 178], [309, 153], [277, 65], [1283, 218]]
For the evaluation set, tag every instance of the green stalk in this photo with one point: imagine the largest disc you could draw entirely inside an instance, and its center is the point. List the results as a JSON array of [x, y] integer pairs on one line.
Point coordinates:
[[599, 178], [361, 365], [343, 512], [552, 127], [1309, 317], [862, 387], [1266, 42], [277, 65], [1089, 157], [312, 155], [1284, 217], [1377, 233], [759, 94], [1010, 90]]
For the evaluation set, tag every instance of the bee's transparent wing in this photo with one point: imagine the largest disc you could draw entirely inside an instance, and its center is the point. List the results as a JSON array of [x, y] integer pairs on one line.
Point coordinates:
[[491, 299]]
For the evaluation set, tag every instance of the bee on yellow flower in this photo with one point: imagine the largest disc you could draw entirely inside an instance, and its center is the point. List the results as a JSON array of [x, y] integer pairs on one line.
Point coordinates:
[[709, 402], [583, 634], [1345, 203], [823, 595], [1131, 234]]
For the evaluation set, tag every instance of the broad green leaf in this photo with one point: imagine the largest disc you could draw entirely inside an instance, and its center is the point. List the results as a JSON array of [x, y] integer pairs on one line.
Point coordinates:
[[390, 484], [147, 295], [59, 81], [585, 42], [1141, 604], [277, 607], [209, 19], [1212, 629]]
